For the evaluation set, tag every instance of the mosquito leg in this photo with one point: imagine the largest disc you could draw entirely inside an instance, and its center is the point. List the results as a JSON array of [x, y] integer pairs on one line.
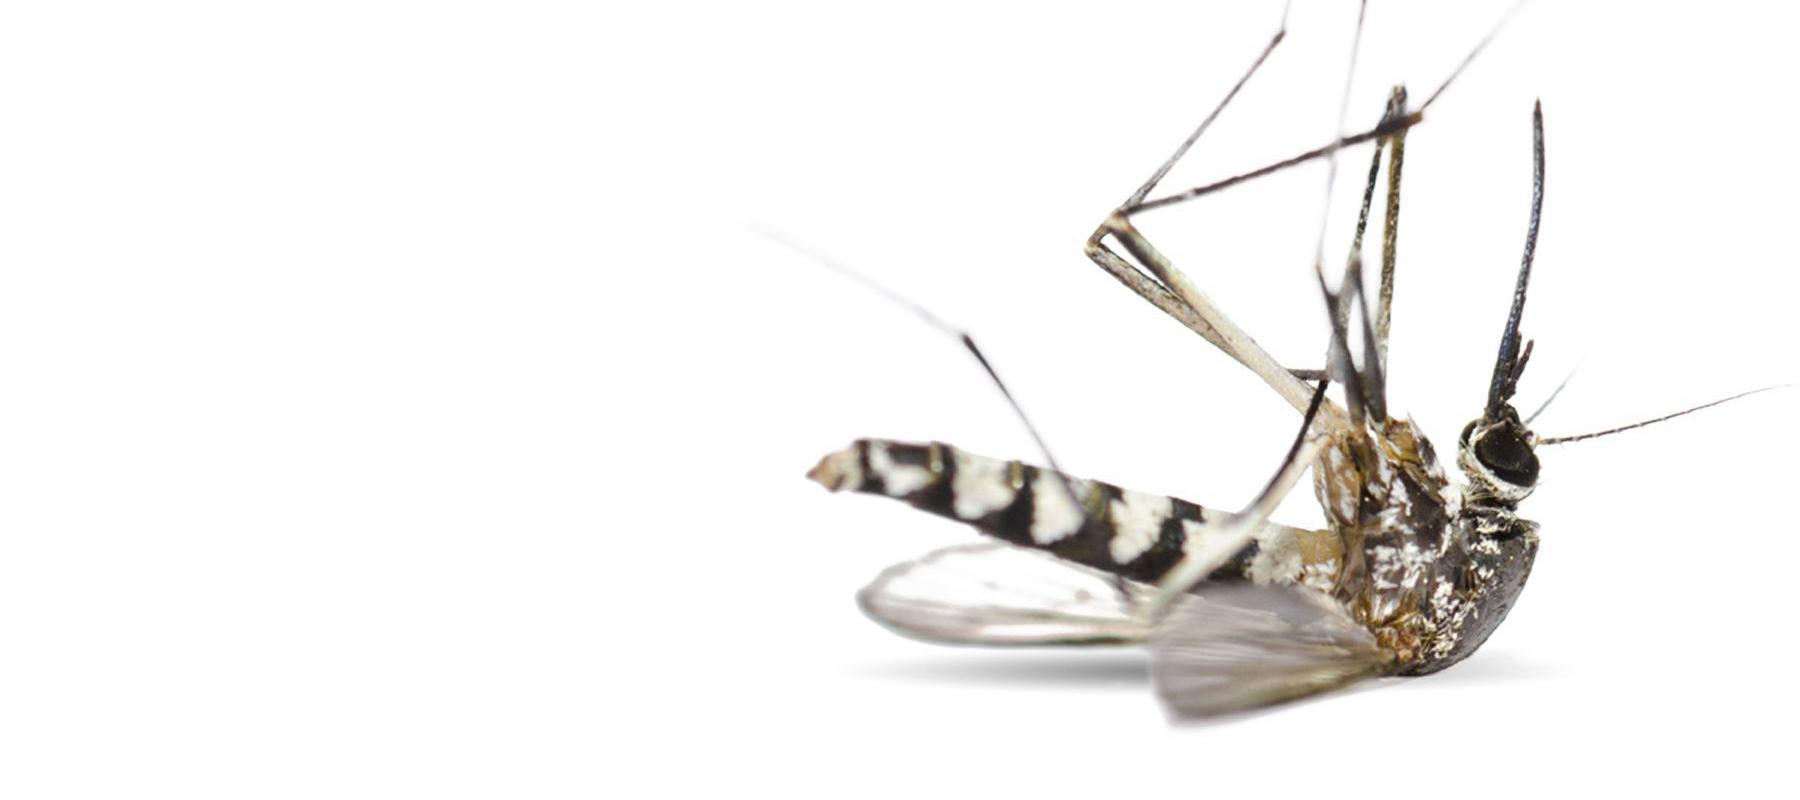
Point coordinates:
[[1171, 284], [1380, 130], [1386, 128], [1150, 290], [1225, 333], [1390, 235], [1368, 389], [1368, 200], [1161, 172], [1396, 106], [1168, 303], [1340, 307], [1372, 375], [962, 337], [1208, 548], [1175, 295]]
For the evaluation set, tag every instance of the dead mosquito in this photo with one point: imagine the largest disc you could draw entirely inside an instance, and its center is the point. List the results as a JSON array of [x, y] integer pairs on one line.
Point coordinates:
[[1412, 572]]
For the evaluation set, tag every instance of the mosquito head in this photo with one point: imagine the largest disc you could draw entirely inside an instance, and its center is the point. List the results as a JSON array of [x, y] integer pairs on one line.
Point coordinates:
[[1499, 457], [1496, 449]]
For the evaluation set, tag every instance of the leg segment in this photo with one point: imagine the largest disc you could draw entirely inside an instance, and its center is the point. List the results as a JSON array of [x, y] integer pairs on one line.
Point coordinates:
[[1390, 235], [1203, 555], [1174, 293]]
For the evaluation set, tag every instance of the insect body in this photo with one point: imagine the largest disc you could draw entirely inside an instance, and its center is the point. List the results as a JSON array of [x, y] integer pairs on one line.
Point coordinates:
[[1418, 571], [1411, 574]]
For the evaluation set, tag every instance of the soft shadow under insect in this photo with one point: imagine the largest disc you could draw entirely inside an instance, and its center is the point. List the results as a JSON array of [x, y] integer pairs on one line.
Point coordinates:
[[1128, 669]]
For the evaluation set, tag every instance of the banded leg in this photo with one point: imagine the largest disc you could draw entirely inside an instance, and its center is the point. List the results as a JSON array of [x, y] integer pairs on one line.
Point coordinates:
[[1130, 534]]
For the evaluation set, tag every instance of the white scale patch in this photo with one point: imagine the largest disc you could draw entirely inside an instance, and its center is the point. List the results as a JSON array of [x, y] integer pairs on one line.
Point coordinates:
[[1321, 575], [1137, 523], [1345, 502], [900, 480], [1204, 539], [1443, 594], [1453, 499], [1278, 558], [981, 486], [1054, 515]]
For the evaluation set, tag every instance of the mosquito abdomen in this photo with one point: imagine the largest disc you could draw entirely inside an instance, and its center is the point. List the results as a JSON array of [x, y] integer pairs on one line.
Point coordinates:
[[1137, 535]]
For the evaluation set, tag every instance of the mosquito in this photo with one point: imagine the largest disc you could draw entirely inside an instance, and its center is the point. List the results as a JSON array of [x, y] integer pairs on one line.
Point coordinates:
[[1411, 574]]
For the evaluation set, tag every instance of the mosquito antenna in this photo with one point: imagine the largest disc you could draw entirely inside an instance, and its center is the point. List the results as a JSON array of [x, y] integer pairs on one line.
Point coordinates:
[[968, 342], [1509, 363], [1553, 394], [1479, 46], [1663, 418]]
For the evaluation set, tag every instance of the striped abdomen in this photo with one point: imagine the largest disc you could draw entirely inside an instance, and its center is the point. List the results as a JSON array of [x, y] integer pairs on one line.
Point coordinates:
[[1139, 536]]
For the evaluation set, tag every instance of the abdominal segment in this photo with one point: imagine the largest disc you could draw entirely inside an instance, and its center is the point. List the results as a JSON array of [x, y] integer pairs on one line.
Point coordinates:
[[1132, 534]]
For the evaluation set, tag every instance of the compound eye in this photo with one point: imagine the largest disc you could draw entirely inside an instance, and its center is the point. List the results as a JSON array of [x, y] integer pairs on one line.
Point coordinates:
[[1506, 453]]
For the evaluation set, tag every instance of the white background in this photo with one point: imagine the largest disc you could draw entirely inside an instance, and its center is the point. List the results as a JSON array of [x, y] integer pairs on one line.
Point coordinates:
[[395, 399]]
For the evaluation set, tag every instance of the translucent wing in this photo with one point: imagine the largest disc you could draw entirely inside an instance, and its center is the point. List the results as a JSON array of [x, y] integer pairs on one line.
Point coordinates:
[[1234, 647], [998, 594]]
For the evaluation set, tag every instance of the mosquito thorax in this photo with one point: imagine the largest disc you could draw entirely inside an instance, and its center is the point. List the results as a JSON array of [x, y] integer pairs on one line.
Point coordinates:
[[1496, 452]]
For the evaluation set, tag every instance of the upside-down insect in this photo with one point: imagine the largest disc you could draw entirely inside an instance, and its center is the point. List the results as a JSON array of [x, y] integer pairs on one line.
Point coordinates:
[[1411, 574]]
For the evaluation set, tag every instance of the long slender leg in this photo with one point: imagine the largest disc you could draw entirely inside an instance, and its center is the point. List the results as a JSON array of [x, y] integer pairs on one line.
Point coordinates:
[[1207, 319], [1205, 555], [1390, 235], [1396, 106], [1230, 338], [967, 341], [1168, 303], [1386, 128], [1383, 129], [1176, 290], [1340, 307], [1161, 172], [1373, 379], [1175, 295], [1200, 561]]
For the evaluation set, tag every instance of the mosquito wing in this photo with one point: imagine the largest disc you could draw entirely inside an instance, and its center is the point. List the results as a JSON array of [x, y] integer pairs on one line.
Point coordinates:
[[998, 594], [1234, 647]]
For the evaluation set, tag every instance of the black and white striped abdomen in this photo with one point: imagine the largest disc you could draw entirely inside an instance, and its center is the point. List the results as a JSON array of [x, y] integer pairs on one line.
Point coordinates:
[[1137, 535]]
